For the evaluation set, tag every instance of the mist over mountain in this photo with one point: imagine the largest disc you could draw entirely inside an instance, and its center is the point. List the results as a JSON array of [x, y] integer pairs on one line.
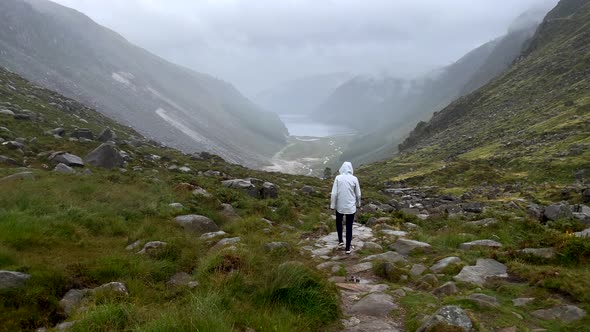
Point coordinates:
[[300, 96], [64, 50]]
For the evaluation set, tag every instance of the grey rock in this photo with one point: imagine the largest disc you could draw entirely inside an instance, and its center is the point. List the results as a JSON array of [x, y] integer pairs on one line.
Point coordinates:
[[212, 173], [566, 313], [361, 267], [405, 246], [480, 243], [558, 211], [107, 135], [67, 159], [201, 192], [535, 212], [105, 156], [152, 246], [70, 302], [83, 133], [176, 206], [448, 288], [116, 288], [244, 185], [484, 269], [584, 233], [184, 169], [390, 256], [417, 270], [18, 176], [448, 316], [484, 222], [63, 168], [307, 190], [548, 253], [442, 264], [269, 190], [427, 282], [13, 145], [180, 280], [227, 242], [229, 212], [61, 132], [522, 301], [197, 224], [410, 211], [65, 326], [374, 305], [12, 279], [212, 235], [23, 117], [276, 246], [372, 246], [8, 161], [133, 245], [6, 112], [411, 226], [483, 300], [474, 207]]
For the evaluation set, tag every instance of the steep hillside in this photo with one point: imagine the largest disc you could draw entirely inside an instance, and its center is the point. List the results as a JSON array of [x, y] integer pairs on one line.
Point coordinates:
[[300, 96], [64, 50], [531, 117]]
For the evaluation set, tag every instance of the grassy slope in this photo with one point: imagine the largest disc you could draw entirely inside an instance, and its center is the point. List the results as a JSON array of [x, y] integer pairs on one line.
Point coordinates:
[[70, 231]]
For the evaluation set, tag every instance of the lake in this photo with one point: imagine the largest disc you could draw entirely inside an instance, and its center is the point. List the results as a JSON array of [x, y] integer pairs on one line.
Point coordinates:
[[302, 125]]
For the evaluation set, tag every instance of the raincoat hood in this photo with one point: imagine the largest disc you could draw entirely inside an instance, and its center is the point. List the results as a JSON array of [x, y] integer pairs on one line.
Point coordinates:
[[346, 168]]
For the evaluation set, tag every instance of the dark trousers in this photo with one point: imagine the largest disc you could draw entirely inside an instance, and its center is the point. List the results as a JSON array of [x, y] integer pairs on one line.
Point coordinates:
[[349, 221]]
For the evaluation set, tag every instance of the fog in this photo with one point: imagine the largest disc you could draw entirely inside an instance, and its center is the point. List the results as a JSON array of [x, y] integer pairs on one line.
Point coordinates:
[[257, 44]]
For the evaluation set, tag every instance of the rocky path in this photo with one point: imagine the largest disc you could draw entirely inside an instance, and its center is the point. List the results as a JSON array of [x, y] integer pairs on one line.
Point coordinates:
[[367, 304]]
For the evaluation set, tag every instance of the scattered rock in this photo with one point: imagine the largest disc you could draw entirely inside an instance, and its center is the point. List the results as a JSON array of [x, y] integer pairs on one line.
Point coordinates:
[[442, 264], [535, 212], [201, 192], [70, 302], [448, 317], [227, 242], [14, 145], [522, 301], [133, 245], [375, 305], [197, 224], [484, 222], [277, 246], [417, 270], [63, 168], [566, 313], [107, 135], [244, 185], [176, 206], [405, 246], [484, 269], [360, 267], [448, 288], [152, 246], [390, 257], [372, 246], [105, 156], [480, 243], [483, 300], [474, 207], [547, 253], [558, 211], [307, 190], [180, 280], [67, 159], [6, 112], [8, 161], [269, 190], [212, 235], [117, 288], [83, 133], [229, 212], [12, 279], [584, 233]]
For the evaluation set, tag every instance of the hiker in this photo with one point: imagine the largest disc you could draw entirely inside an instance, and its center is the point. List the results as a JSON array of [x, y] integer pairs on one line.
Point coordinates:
[[346, 196]]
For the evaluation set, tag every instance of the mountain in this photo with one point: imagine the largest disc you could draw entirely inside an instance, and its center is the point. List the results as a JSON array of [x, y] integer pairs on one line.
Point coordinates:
[[300, 96], [388, 122], [63, 50], [531, 117]]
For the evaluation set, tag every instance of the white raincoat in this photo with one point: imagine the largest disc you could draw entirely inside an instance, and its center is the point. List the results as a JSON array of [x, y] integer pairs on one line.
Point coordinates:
[[346, 192]]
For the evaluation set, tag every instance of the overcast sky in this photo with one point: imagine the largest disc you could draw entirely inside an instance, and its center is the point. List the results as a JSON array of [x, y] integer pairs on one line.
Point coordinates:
[[255, 44]]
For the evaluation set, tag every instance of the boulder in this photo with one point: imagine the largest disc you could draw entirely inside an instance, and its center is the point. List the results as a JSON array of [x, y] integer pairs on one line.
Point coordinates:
[[448, 288], [480, 243], [8, 161], [229, 212], [483, 300], [61, 132], [390, 256], [12, 279], [244, 185], [558, 211], [566, 313], [152, 246], [307, 190], [115, 288], [83, 133], [473, 207], [176, 206], [107, 135], [201, 192], [406, 247], [67, 159], [442, 264], [14, 145], [372, 246], [269, 190], [212, 235], [448, 318], [535, 212], [417, 270], [227, 242], [374, 305], [105, 156], [6, 112], [481, 271], [63, 168], [72, 300], [197, 224], [584, 233]]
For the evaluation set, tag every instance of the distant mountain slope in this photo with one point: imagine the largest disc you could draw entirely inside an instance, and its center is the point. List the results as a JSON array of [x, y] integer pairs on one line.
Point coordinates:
[[64, 50], [300, 96], [535, 113], [388, 123]]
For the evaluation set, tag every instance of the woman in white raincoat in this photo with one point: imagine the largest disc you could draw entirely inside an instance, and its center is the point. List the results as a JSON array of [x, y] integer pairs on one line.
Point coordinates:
[[346, 196]]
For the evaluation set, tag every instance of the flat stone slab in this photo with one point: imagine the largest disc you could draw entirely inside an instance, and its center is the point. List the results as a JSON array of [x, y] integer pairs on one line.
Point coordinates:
[[390, 256], [484, 269], [360, 267], [405, 246], [442, 264], [481, 244], [566, 313], [394, 233], [375, 304]]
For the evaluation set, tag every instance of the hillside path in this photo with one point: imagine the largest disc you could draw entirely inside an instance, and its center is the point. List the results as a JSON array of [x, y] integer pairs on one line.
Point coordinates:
[[366, 303]]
